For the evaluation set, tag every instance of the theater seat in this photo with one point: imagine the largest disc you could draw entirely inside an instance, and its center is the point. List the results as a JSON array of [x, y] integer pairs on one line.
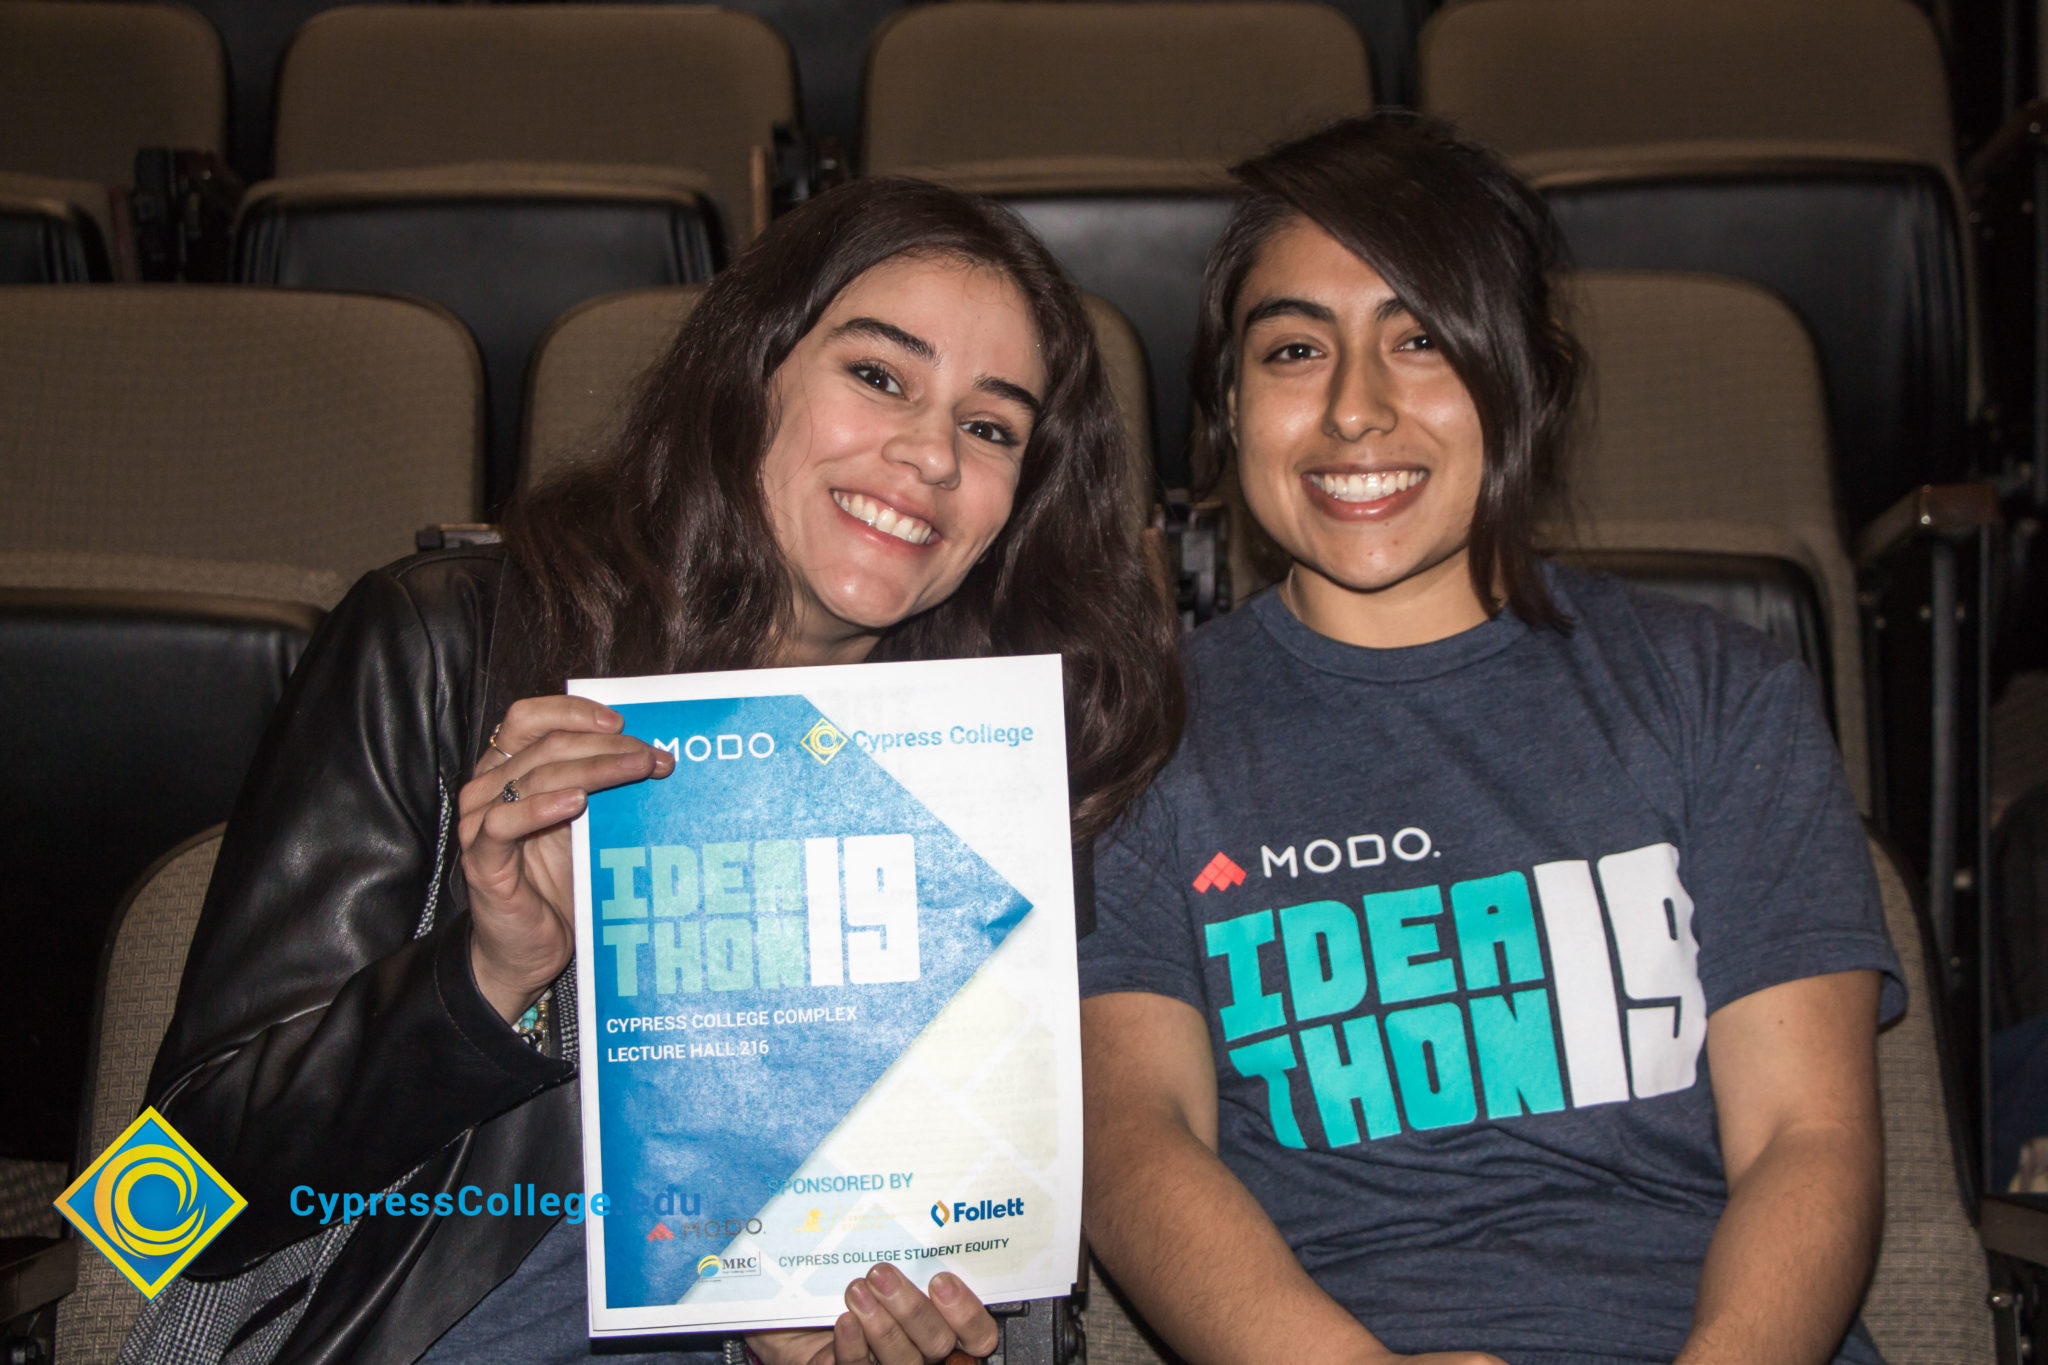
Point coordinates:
[[1109, 128], [509, 161], [54, 231], [269, 425], [136, 688], [1805, 147], [83, 88], [588, 365]]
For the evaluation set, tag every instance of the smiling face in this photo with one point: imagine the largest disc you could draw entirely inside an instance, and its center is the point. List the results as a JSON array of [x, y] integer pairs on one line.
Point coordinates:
[[1359, 449], [901, 421]]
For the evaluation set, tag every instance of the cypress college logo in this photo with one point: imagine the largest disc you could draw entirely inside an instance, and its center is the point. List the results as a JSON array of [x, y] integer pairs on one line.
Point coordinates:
[[150, 1203]]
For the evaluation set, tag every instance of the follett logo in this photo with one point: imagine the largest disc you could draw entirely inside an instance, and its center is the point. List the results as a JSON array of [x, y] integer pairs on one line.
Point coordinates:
[[941, 1215], [1220, 875], [660, 1233]]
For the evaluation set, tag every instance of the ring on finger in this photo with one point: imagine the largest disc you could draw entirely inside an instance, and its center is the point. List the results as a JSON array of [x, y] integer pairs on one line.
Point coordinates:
[[493, 740], [510, 791]]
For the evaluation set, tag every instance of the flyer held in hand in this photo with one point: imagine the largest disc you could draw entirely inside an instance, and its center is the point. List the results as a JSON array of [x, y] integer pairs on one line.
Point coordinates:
[[828, 1012]]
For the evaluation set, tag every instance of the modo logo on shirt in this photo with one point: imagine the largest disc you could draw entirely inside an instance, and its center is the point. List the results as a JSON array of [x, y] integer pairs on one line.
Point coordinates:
[[1413, 1014]]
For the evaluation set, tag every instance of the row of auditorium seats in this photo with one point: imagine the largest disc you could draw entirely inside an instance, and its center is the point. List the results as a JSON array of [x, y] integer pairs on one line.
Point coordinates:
[[508, 161], [356, 423]]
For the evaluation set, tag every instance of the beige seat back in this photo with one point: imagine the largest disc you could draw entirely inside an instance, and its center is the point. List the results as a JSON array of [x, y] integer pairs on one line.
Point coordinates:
[[395, 87], [1020, 84], [1928, 1302], [139, 991], [277, 425], [588, 365], [1707, 431], [82, 87], [1538, 75]]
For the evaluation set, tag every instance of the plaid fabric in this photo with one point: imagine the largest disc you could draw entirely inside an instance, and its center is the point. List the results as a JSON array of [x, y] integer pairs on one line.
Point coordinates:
[[196, 1322]]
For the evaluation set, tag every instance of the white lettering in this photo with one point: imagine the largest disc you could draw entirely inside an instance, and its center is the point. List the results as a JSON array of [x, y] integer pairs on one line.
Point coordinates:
[[1584, 974], [1268, 860], [1379, 850], [754, 744], [1308, 856], [1652, 918], [821, 894], [690, 749], [881, 895], [1402, 853]]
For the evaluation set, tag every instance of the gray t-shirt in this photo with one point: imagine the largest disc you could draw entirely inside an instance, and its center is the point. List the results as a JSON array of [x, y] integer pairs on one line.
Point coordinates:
[[1456, 916]]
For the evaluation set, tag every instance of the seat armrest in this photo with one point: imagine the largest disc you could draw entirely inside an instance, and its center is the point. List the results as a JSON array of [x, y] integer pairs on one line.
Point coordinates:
[[1953, 511], [35, 1272]]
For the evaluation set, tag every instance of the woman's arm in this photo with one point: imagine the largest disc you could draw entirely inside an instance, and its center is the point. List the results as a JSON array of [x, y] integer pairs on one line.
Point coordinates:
[[1156, 1192], [329, 1032], [1794, 1070]]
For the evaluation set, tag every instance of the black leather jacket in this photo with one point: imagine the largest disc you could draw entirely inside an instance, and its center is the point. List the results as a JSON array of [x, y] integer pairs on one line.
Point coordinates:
[[328, 1030]]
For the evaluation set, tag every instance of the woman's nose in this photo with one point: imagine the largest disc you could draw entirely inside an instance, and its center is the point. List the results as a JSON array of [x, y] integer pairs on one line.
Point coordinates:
[[927, 446], [1360, 402]]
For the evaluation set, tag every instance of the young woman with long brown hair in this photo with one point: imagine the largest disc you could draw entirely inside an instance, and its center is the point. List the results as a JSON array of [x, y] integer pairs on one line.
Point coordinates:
[[884, 433]]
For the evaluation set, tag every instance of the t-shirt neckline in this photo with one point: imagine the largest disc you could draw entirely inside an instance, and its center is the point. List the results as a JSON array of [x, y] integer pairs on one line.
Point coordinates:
[[1412, 663]]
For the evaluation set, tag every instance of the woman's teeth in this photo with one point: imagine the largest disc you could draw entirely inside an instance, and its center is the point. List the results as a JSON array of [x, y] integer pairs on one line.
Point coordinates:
[[884, 518], [1368, 487]]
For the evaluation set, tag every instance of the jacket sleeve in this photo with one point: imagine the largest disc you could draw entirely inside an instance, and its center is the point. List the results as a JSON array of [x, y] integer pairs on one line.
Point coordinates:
[[328, 1031]]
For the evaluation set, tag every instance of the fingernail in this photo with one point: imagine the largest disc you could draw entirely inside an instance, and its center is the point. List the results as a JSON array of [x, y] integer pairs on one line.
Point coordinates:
[[576, 801], [611, 719], [886, 1277], [944, 1286], [859, 1297]]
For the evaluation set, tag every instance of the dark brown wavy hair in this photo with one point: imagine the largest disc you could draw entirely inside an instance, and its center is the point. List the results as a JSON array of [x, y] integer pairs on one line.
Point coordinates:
[[1473, 252], [659, 557]]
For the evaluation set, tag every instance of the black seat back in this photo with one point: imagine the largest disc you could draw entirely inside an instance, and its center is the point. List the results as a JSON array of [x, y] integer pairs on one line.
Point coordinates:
[[1867, 253], [505, 259], [132, 716]]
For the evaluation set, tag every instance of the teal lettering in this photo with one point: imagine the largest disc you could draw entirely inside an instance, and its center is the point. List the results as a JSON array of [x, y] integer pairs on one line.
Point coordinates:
[[1270, 1061], [779, 950], [1492, 913], [778, 877], [1362, 1081], [1396, 944], [620, 862], [1251, 1009], [729, 952], [1433, 1064], [1517, 1057], [627, 938], [678, 958], [673, 872], [725, 880], [1307, 932]]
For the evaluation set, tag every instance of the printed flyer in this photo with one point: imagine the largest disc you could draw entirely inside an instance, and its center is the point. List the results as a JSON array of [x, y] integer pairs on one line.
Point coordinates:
[[827, 1011]]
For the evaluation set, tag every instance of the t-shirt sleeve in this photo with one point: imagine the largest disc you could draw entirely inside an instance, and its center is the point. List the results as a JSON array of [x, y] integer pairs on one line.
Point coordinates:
[[1143, 939], [1779, 867]]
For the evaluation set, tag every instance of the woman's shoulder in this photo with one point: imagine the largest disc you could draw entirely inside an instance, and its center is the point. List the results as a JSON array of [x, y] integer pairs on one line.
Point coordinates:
[[1684, 635]]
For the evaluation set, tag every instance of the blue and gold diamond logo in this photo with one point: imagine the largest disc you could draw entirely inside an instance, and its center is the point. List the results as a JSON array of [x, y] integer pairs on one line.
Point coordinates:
[[150, 1203]]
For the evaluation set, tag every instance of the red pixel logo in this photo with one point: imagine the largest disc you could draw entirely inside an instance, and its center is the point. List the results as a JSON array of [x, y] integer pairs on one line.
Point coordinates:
[[1221, 874], [661, 1234]]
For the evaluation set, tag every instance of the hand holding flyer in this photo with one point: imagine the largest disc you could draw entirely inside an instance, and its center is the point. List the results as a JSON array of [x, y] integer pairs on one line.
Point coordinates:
[[827, 1013]]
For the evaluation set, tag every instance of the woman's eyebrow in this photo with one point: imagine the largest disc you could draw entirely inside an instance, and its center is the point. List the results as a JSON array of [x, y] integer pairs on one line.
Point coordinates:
[[1287, 307], [1016, 393], [888, 331]]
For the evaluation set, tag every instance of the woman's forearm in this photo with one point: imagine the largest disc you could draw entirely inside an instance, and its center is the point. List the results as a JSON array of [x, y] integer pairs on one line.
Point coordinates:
[[1155, 1198], [1792, 1252]]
